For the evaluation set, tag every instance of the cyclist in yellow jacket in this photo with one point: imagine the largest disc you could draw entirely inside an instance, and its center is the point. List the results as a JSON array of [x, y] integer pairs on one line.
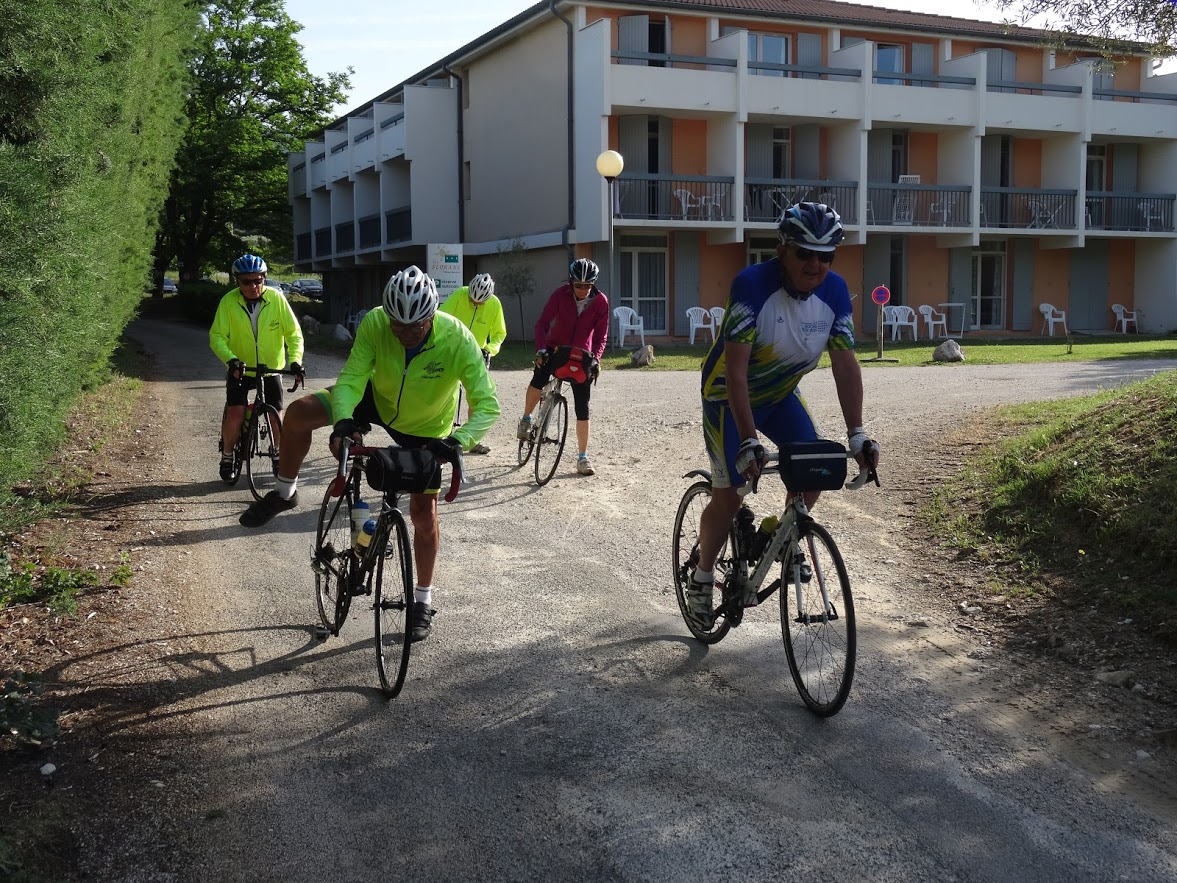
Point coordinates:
[[477, 307], [402, 374], [254, 325]]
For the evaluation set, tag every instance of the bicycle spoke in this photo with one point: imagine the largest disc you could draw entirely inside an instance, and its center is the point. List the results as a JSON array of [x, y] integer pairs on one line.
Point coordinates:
[[817, 622]]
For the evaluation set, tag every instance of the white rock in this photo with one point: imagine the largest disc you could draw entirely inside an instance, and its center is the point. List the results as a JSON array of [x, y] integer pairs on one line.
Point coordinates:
[[48, 770], [949, 351]]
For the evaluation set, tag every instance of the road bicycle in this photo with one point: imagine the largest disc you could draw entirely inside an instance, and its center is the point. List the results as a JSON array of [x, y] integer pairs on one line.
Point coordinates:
[[817, 617], [549, 426], [375, 560], [257, 445]]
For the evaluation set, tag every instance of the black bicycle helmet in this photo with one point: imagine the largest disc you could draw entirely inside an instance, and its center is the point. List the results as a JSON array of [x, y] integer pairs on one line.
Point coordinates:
[[812, 225], [583, 270]]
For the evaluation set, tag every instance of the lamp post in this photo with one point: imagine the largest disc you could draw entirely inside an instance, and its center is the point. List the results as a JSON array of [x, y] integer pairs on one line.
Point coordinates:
[[609, 165]]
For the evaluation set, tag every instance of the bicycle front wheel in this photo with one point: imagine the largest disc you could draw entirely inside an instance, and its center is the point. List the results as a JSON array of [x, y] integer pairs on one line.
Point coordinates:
[[817, 621], [685, 556], [332, 558], [261, 464], [393, 603], [549, 442]]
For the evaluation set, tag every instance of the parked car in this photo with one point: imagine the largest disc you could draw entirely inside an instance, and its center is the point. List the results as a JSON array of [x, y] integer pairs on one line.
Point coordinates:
[[169, 286], [285, 286], [307, 287]]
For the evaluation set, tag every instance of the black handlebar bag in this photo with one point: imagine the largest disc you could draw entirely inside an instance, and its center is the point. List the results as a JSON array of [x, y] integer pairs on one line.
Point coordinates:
[[402, 471], [813, 466]]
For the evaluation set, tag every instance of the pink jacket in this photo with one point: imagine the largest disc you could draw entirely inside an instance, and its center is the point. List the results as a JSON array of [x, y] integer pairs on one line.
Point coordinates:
[[560, 325]]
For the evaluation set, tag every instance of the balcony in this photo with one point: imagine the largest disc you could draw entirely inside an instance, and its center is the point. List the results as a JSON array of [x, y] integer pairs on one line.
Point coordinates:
[[918, 205], [766, 198], [687, 198], [398, 226], [1135, 212], [302, 247], [1016, 208], [345, 237], [323, 242], [369, 232]]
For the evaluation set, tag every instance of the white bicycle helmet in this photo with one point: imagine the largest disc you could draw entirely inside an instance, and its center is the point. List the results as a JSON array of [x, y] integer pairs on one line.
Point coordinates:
[[410, 297], [481, 288]]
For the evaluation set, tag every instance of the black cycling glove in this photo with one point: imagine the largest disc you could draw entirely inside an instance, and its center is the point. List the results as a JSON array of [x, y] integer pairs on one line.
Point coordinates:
[[448, 449], [236, 369], [347, 428], [297, 368]]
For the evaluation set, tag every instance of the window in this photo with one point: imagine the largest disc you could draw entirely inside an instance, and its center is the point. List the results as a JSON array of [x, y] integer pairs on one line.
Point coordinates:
[[643, 264], [782, 167], [772, 48], [641, 34], [889, 58], [761, 250]]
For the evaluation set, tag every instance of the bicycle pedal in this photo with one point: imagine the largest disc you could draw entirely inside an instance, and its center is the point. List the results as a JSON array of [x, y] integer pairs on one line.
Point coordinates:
[[321, 633]]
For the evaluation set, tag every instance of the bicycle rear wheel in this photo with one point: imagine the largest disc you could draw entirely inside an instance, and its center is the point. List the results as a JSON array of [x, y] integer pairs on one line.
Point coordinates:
[[393, 602], [817, 621], [685, 556], [332, 558], [261, 464], [525, 447], [549, 442]]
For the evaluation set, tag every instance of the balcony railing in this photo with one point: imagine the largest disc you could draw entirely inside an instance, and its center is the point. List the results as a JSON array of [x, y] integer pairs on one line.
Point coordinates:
[[919, 205], [1026, 209], [766, 198], [1146, 212], [398, 225], [680, 198], [323, 242], [370, 231], [345, 237]]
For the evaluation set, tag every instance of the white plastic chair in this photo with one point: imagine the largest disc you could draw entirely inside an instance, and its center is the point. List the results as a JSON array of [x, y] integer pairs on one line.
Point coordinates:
[[700, 320], [716, 320], [628, 320], [688, 201], [934, 318], [899, 317], [353, 321], [1123, 317], [1052, 317]]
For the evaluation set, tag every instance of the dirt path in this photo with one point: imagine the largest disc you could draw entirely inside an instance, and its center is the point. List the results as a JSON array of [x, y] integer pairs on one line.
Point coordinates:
[[560, 723]]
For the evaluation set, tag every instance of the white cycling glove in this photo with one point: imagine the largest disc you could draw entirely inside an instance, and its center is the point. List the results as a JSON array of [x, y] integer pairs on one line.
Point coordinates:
[[750, 449], [858, 440]]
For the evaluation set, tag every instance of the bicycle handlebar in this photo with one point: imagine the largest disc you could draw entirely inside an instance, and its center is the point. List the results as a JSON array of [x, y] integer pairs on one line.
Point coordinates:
[[349, 448], [258, 370], [865, 475]]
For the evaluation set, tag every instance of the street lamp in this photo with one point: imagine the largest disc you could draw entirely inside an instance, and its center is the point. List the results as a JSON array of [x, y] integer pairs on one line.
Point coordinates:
[[609, 165]]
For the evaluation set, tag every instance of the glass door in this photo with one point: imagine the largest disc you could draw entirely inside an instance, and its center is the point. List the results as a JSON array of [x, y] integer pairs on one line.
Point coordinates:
[[644, 270], [988, 302]]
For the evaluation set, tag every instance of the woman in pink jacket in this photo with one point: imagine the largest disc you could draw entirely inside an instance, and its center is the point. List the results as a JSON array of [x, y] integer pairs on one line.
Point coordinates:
[[576, 315]]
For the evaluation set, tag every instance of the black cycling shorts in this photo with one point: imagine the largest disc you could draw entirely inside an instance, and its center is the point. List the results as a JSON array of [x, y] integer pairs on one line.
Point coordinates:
[[237, 391], [580, 391]]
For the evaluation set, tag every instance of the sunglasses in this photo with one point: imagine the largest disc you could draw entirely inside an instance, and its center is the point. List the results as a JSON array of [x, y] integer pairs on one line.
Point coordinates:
[[261, 281], [402, 328], [804, 254]]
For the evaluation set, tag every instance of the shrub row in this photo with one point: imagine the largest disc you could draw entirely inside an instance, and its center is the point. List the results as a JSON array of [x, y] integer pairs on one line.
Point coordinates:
[[91, 114]]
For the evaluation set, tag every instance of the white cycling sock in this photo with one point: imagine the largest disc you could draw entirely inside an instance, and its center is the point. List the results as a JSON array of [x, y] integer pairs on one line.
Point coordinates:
[[424, 594], [704, 576], [286, 487]]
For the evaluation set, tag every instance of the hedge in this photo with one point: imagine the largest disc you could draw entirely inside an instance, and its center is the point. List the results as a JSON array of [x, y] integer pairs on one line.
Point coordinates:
[[91, 114]]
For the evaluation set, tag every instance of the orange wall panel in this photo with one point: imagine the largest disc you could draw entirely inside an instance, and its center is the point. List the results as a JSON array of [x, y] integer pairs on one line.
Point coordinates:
[[1027, 162], [688, 147], [927, 272], [922, 157], [1052, 278], [1122, 268], [688, 35]]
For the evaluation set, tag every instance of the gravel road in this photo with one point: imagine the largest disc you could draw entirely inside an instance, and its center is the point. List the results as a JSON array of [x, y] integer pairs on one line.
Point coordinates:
[[560, 724]]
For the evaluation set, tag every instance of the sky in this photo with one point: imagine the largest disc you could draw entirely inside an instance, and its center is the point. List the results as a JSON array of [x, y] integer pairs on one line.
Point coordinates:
[[387, 41]]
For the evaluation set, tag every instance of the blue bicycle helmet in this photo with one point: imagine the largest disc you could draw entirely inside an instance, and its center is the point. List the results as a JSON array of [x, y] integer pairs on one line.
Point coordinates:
[[249, 263], [811, 225]]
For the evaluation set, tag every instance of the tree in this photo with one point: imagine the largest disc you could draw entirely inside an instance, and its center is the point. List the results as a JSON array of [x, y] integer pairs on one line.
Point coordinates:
[[516, 276], [1111, 25], [252, 101]]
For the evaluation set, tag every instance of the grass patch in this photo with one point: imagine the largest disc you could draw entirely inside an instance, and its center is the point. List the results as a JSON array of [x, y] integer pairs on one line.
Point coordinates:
[[1078, 495]]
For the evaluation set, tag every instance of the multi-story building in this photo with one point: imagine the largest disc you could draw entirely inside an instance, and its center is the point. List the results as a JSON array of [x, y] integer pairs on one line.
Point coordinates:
[[973, 165]]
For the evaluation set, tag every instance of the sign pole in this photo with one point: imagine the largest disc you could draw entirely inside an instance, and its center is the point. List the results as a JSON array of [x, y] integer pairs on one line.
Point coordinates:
[[880, 296]]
